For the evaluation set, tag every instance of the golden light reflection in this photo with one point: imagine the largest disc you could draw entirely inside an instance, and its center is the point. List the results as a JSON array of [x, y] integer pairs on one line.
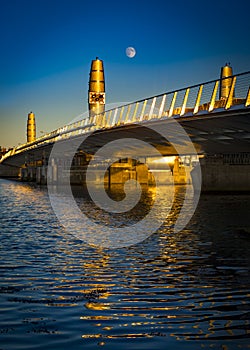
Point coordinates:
[[92, 336], [97, 317], [131, 335], [97, 306], [228, 329], [114, 336], [164, 160], [107, 328], [97, 263]]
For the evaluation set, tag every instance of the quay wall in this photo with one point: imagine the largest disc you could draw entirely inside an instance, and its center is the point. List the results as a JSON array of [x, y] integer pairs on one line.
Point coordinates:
[[9, 171], [226, 173]]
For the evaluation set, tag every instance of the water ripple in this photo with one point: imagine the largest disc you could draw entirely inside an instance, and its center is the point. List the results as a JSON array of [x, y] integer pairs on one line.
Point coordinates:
[[188, 290]]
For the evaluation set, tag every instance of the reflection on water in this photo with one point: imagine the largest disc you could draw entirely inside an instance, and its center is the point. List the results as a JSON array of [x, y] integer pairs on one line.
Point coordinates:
[[116, 193], [188, 290]]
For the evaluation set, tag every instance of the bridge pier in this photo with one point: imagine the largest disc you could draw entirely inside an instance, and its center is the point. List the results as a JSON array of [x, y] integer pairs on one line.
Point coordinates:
[[117, 173], [41, 175], [34, 173], [28, 173], [52, 172], [129, 169]]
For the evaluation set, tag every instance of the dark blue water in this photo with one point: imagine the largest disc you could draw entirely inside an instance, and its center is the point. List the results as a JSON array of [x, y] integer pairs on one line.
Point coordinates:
[[188, 290]]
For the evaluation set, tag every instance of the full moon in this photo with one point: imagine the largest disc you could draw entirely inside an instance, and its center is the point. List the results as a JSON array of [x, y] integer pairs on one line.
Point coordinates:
[[130, 52]]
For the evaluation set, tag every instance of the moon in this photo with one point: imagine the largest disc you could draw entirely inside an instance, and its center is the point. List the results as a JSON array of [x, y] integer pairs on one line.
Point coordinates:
[[130, 52]]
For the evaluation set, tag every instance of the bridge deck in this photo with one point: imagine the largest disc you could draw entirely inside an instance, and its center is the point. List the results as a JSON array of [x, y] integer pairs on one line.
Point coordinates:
[[215, 124]]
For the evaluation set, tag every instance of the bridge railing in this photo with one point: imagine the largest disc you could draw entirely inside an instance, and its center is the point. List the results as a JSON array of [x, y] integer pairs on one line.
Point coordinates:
[[216, 95], [194, 100]]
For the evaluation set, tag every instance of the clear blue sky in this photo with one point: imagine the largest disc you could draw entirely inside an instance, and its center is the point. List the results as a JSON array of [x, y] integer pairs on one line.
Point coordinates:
[[47, 47]]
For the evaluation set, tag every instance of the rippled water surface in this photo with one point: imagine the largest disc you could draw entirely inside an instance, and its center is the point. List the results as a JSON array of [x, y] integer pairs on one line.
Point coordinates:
[[188, 290]]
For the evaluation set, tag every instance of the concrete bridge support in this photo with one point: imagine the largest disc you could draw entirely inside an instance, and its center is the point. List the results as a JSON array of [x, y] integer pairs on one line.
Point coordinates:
[[128, 169], [28, 173], [52, 172], [34, 173], [41, 175]]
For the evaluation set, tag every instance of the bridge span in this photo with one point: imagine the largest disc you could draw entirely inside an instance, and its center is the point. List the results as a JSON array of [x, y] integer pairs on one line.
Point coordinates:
[[215, 115]]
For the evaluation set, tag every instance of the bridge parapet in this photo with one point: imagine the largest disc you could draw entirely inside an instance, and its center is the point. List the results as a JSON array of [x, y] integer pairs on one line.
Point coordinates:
[[186, 102]]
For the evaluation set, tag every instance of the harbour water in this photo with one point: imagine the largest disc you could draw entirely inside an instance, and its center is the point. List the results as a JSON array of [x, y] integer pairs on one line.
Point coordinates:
[[186, 290]]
